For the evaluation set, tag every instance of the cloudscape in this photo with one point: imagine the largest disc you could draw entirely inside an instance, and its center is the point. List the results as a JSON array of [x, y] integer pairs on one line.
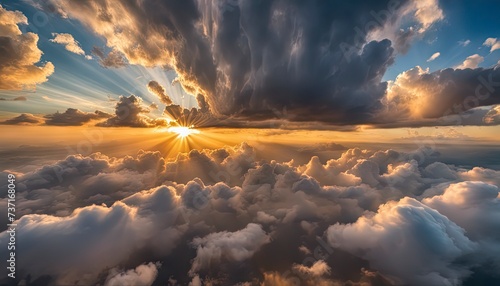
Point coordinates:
[[241, 142]]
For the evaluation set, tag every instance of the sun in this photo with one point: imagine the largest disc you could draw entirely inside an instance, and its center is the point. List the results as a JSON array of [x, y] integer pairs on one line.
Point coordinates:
[[183, 131]]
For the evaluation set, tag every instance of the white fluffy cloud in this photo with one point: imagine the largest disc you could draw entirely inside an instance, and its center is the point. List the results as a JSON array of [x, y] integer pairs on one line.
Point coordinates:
[[408, 241], [471, 62]]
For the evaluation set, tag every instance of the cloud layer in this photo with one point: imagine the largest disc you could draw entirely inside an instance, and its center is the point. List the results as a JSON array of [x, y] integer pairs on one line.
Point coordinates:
[[223, 216]]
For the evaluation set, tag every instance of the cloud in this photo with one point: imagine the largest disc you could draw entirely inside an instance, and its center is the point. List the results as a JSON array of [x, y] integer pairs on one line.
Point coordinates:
[[434, 56], [474, 206], [419, 94], [405, 22], [319, 268], [130, 111], [74, 117], [464, 43], [153, 106], [235, 246], [20, 54], [23, 119], [155, 88], [114, 59], [19, 98], [471, 62], [228, 216], [493, 43], [493, 115], [142, 275], [70, 44], [404, 229], [340, 75]]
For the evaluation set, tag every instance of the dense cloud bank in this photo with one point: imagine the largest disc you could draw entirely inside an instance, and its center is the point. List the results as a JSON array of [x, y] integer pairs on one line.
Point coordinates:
[[222, 217]]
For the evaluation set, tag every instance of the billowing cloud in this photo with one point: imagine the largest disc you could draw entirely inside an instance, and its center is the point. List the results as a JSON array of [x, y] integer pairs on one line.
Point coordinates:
[[471, 62], [74, 117], [130, 111], [434, 56], [404, 229], [20, 56], [493, 43], [155, 88], [70, 44], [23, 119], [420, 94]]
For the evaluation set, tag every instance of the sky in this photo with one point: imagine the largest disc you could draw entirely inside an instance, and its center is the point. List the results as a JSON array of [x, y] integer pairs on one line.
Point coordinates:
[[238, 142]]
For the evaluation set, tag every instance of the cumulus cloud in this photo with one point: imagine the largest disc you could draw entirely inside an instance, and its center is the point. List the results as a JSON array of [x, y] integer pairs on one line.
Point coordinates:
[[70, 44], [20, 65], [155, 88], [23, 119], [493, 43], [130, 111], [434, 56], [471, 62], [404, 229], [74, 117], [225, 216]]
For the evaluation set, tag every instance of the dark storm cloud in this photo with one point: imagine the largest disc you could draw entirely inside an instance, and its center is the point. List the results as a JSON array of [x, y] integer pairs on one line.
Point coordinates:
[[74, 117], [321, 61], [249, 59], [222, 216]]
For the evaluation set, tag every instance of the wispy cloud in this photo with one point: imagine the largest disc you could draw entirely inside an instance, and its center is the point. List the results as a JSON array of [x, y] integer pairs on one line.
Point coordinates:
[[434, 56]]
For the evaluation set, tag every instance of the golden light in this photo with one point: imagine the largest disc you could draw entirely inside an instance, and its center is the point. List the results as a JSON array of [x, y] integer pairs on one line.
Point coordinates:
[[183, 131]]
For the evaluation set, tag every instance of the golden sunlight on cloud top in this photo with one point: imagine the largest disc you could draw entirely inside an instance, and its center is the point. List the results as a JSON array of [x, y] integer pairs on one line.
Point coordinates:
[[18, 67]]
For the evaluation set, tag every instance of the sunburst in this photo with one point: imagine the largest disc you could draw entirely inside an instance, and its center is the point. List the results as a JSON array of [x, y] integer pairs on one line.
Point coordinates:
[[183, 131]]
